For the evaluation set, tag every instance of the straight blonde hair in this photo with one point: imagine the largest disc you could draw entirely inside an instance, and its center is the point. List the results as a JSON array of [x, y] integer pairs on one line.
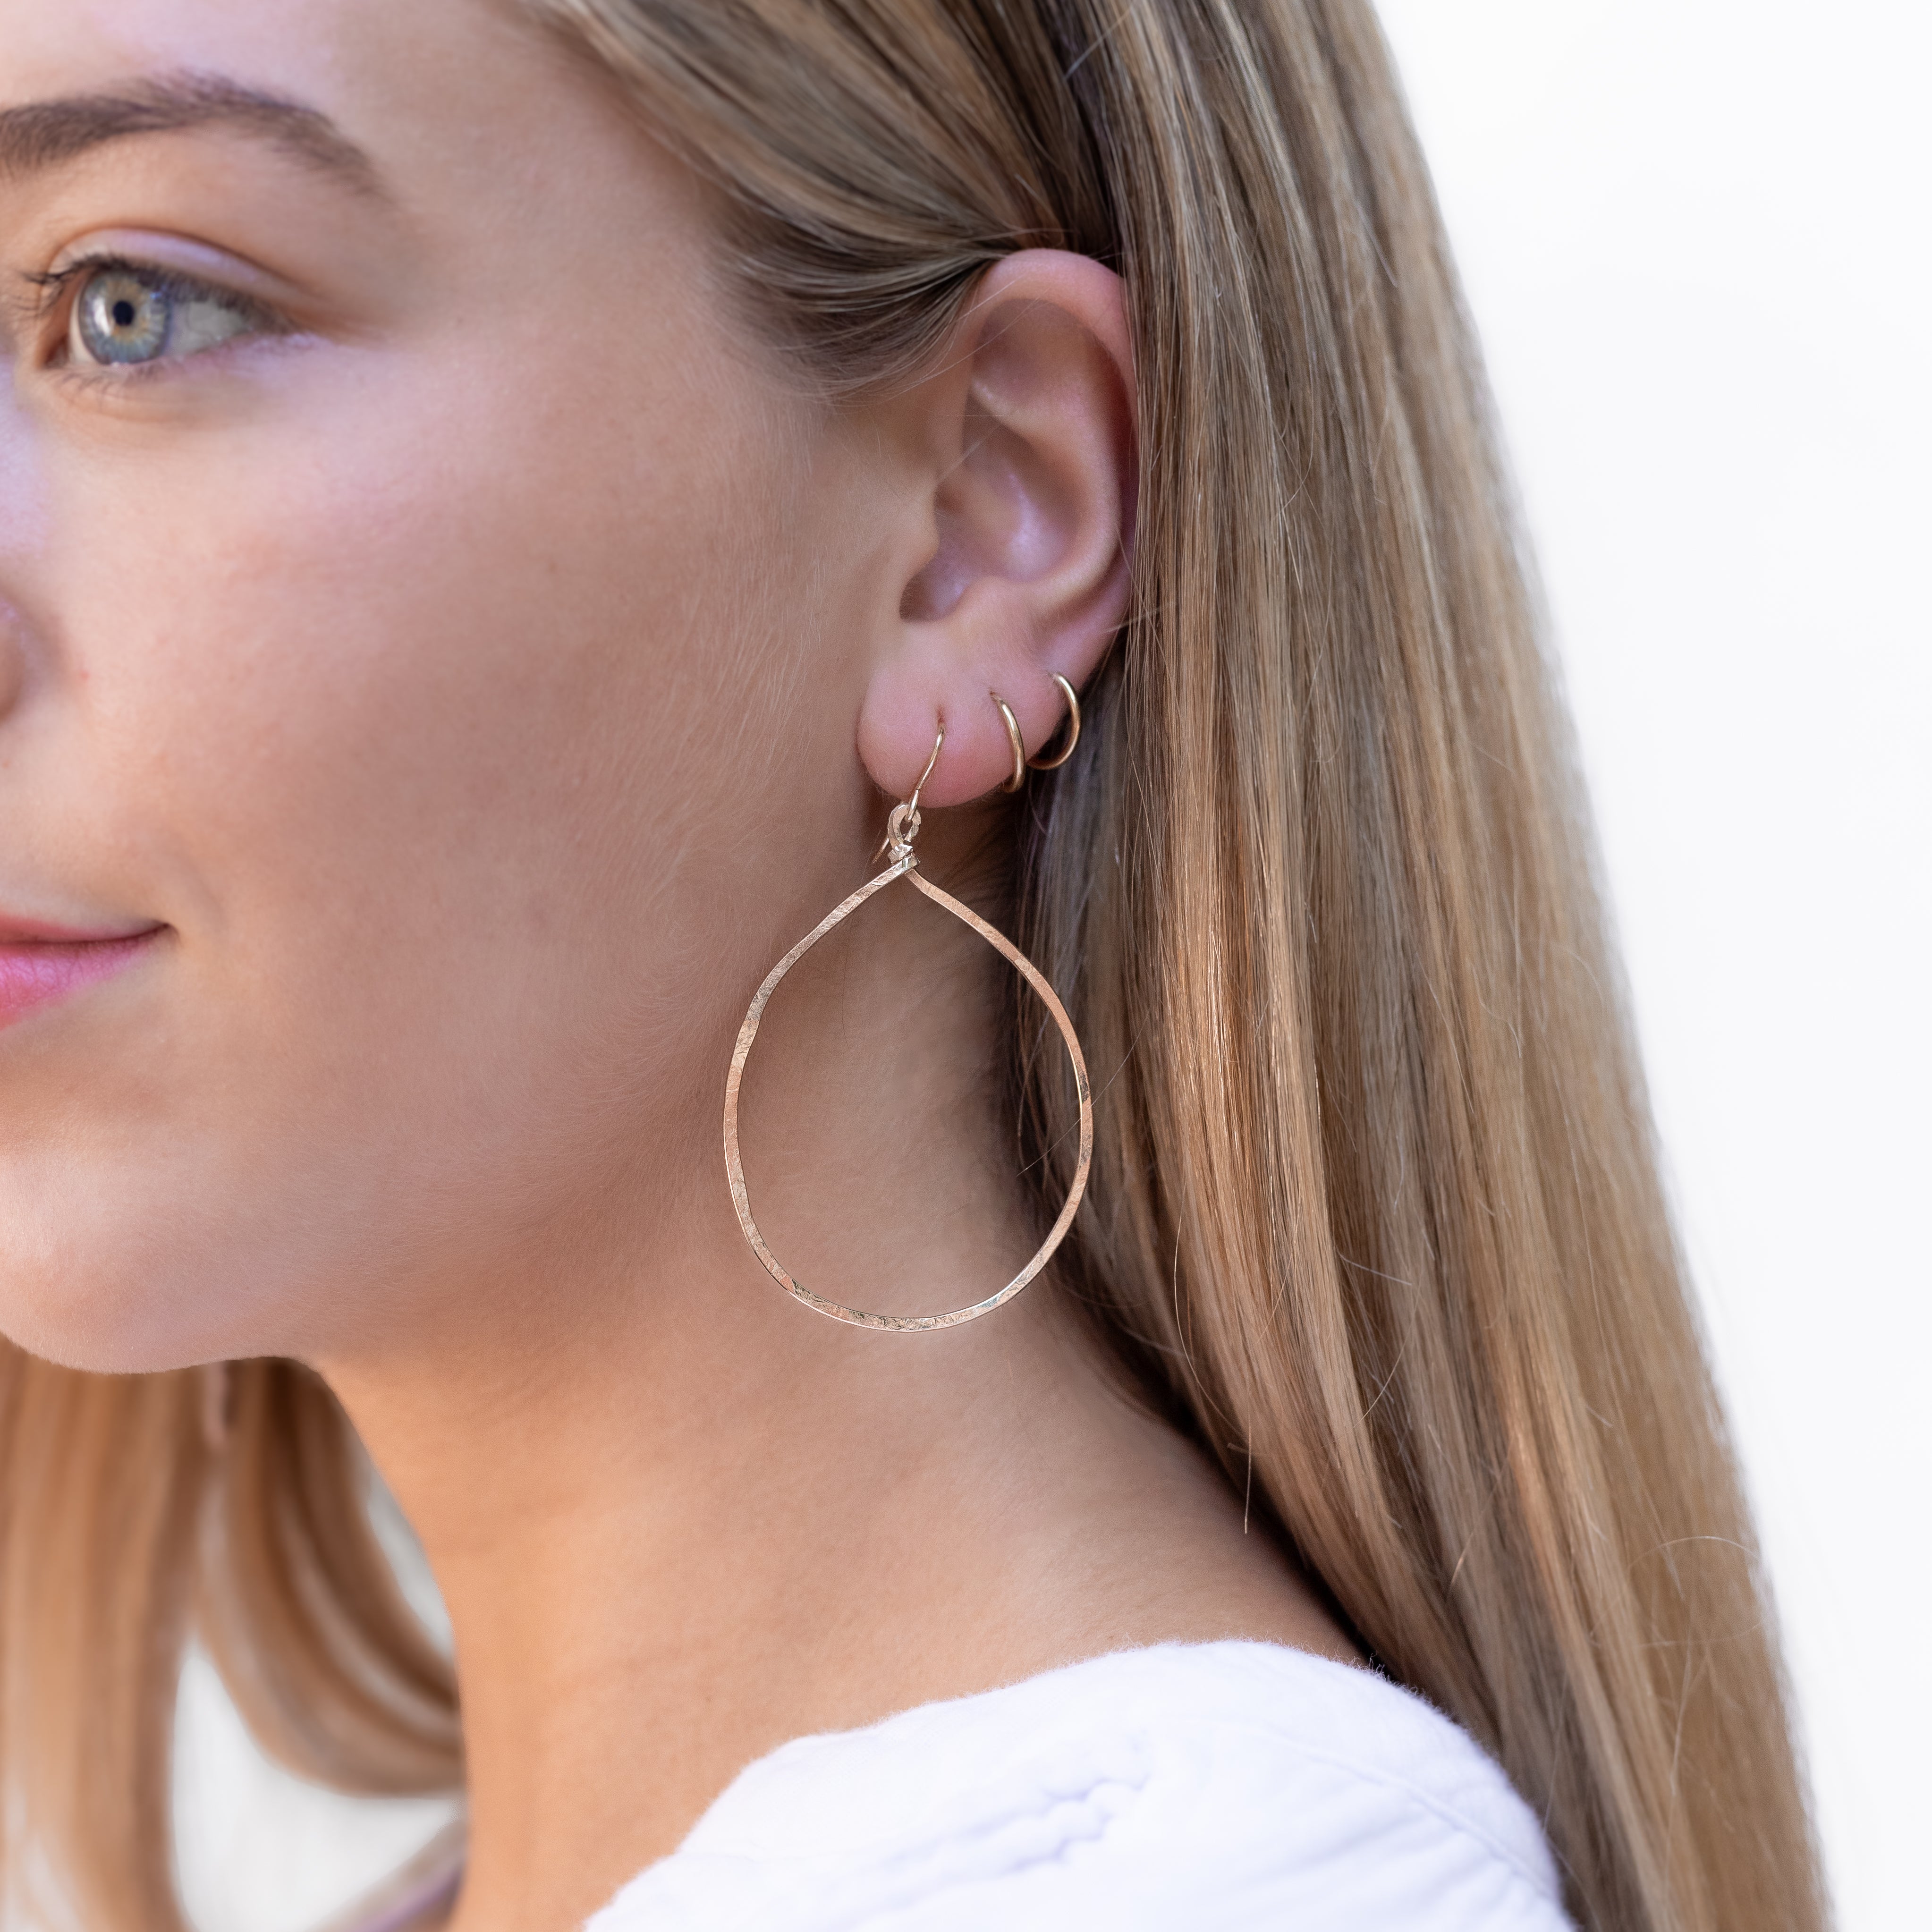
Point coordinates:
[[1374, 1214]]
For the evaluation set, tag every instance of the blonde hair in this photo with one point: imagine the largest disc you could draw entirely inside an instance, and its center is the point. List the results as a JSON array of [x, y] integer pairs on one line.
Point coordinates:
[[1374, 1213]]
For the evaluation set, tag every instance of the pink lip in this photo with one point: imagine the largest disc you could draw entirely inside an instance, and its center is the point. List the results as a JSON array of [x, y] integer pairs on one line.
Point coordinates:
[[41, 964]]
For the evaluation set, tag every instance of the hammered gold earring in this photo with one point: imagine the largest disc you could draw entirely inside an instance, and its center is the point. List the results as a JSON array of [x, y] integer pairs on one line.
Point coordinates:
[[901, 829]]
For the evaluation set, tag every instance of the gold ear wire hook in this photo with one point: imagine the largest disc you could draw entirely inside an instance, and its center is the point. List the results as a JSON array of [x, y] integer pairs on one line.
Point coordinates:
[[912, 802], [902, 822]]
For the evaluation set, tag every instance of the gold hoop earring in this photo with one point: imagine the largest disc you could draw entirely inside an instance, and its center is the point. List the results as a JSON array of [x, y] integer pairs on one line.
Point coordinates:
[[1066, 752], [1013, 739], [901, 829]]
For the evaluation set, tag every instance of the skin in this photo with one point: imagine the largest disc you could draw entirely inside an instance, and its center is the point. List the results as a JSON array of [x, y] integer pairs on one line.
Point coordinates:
[[475, 683]]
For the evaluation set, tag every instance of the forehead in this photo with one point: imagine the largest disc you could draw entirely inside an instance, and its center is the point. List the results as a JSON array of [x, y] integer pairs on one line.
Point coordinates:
[[84, 43], [385, 70], [473, 113]]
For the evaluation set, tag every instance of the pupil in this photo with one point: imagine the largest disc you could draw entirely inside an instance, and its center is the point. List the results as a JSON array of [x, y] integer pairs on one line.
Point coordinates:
[[124, 314]]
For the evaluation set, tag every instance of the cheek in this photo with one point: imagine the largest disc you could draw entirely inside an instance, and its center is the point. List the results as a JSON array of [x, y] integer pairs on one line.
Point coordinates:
[[410, 737], [431, 600]]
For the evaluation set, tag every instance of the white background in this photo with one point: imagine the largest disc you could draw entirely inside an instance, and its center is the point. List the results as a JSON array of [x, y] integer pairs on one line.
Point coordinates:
[[1693, 233]]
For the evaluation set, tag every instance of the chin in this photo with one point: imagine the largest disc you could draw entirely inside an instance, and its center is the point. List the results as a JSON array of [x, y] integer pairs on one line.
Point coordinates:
[[102, 1320], [117, 1284]]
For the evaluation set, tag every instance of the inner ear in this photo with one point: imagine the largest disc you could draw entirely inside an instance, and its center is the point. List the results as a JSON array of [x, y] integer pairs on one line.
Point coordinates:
[[1008, 507], [1011, 492]]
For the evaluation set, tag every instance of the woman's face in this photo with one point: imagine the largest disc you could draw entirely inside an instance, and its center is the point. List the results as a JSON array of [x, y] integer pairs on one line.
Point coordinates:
[[402, 600]]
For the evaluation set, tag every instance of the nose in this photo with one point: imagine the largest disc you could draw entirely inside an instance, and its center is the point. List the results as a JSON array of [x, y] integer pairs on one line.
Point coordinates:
[[21, 516], [12, 657]]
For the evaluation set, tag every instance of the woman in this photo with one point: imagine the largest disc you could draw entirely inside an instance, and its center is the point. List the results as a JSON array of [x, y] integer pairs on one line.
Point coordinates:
[[496, 503]]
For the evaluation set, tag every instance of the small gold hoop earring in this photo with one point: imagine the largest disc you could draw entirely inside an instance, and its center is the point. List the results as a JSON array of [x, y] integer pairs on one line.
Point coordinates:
[[1014, 739], [1066, 752], [901, 829]]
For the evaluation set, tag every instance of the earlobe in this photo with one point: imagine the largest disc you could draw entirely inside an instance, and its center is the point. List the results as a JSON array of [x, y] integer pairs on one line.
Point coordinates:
[[1028, 420]]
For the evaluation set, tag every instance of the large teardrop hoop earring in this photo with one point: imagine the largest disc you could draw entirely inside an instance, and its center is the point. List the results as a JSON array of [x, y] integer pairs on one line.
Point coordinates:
[[901, 829]]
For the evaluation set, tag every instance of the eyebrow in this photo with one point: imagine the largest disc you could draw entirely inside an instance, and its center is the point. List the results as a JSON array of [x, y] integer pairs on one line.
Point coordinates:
[[44, 133]]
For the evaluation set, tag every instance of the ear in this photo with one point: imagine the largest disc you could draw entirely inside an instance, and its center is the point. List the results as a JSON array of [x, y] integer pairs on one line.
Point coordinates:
[[1019, 529]]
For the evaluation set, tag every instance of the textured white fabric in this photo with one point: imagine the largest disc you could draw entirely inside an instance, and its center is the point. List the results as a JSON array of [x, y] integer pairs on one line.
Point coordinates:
[[1187, 1788]]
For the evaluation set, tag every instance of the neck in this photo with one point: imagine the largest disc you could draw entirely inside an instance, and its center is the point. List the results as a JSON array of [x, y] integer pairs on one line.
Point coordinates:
[[665, 1559], [678, 1518]]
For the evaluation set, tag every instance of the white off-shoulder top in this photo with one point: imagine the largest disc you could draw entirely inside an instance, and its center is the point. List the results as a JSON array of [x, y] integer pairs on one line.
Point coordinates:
[[1186, 1788]]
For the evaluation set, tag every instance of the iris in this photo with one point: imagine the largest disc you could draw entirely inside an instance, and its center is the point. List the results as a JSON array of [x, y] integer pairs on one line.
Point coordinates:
[[123, 317]]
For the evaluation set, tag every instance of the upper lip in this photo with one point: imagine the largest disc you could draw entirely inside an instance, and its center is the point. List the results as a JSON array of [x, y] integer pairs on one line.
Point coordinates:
[[42, 932]]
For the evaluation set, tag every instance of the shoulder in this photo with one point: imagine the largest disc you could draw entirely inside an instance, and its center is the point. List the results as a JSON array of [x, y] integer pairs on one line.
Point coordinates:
[[1204, 1787]]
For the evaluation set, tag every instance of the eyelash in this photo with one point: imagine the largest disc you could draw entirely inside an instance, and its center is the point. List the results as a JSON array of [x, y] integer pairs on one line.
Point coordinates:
[[52, 287]]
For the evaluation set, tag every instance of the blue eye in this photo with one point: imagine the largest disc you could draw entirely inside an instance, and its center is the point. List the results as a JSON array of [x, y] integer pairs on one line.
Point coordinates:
[[127, 315]]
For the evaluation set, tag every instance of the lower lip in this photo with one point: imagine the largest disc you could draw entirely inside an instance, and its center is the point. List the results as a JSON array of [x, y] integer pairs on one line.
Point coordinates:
[[37, 973]]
